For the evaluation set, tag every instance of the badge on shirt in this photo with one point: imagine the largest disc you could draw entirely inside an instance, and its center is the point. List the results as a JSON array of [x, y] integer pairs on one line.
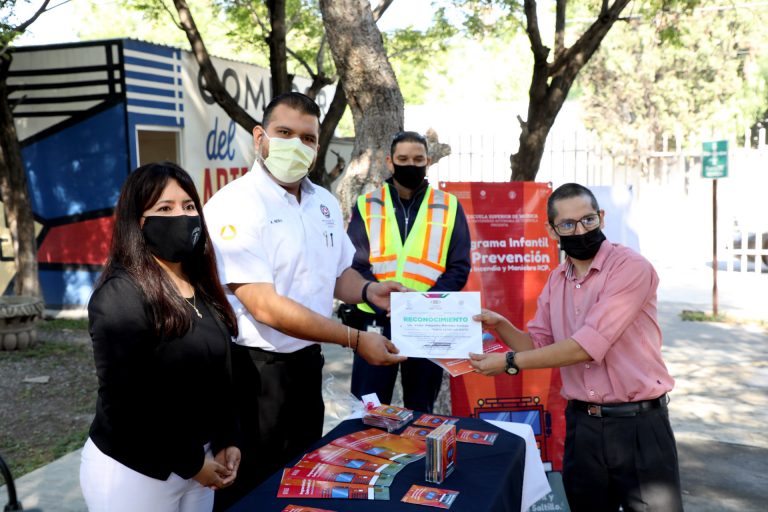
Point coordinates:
[[228, 232]]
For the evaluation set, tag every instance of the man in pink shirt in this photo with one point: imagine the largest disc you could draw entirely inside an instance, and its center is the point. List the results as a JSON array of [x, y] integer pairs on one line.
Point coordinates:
[[596, 320]]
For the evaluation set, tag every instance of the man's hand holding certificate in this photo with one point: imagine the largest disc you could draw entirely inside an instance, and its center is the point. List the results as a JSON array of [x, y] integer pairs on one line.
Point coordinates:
[[436, 324]]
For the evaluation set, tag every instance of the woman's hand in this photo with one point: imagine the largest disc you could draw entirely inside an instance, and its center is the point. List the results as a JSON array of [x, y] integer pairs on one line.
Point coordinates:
[[212, 474], [228, 457]]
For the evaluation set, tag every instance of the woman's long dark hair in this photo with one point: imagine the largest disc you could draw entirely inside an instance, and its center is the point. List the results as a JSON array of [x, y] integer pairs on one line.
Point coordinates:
[[171, 314]]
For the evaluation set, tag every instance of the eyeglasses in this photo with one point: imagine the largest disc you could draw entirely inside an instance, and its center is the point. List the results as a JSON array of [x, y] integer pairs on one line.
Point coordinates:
[[568, 226]]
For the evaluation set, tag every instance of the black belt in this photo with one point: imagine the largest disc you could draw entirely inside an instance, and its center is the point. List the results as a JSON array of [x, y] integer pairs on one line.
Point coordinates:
[[622, 410]]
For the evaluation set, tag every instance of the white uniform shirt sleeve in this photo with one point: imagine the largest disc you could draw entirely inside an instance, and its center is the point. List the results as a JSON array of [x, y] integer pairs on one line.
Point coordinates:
[[240, 256], [347, 253]]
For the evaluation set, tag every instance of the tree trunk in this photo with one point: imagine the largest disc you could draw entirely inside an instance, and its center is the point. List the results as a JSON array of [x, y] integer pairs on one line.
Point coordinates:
[[278, 49], [212, 82], [319, 174], [372, 93], [550, 83], [544, 104], [15, 195]]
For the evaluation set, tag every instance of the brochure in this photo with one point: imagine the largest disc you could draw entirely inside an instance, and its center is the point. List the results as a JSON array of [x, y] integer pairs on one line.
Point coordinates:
[[419, 433], [456, 367], [304, 488], [476, 437], [391, 412], [300, 508], [338, 456], [430, 496], [382, 444], [328, 473], [433, 420]]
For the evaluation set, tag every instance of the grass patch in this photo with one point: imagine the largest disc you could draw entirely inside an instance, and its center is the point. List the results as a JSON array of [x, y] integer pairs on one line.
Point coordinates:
[[45, 349], [58, 324], [700, 316], [41, 454]]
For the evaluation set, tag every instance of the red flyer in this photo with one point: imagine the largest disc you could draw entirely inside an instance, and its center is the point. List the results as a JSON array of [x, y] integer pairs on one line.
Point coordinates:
[[382, 444], [456, 367], [338, 456], [476, 437], [299, 508], [419, 433], [430, 496], [304, 488], [320, 471], [433, 420]]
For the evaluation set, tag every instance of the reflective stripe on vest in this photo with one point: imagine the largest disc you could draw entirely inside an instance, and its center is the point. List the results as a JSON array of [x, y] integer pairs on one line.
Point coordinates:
[[422, 260]]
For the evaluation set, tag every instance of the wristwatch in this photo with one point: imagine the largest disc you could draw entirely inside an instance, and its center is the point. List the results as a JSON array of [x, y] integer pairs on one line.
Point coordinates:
[[512, 368]]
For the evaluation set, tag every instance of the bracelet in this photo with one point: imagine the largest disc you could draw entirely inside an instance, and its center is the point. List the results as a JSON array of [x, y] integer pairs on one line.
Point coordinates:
[[357, 341], [365, 291], [349, 342]]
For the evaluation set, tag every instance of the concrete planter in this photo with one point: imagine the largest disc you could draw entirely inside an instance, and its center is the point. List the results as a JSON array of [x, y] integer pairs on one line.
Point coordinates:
[[18, 318]]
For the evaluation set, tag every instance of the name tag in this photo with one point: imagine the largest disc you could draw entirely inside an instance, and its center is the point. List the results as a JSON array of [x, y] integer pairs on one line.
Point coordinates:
[[375, 328]]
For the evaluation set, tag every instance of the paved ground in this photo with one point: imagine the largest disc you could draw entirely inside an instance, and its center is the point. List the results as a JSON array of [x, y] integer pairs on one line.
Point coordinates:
[[719, 407]]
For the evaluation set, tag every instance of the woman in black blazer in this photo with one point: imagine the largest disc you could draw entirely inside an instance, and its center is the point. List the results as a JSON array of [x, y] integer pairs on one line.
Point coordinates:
[[164, 435]]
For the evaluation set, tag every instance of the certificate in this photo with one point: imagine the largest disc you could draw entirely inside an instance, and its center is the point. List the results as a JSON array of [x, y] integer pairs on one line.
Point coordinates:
[[436, 324]]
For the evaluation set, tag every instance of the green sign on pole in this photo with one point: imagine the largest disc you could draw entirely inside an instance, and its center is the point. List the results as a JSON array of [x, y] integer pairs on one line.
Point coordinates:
[[714, 159]]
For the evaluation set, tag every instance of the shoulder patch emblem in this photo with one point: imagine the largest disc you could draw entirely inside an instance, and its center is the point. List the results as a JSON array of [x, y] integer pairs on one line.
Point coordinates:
[[228, 232]]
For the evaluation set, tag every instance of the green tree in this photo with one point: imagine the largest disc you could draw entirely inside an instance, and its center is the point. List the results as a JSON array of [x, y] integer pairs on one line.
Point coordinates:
[[554, 70], [680, 73]]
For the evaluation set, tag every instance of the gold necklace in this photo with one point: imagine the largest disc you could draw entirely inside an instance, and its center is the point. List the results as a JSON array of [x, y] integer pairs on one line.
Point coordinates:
[[194, 306]]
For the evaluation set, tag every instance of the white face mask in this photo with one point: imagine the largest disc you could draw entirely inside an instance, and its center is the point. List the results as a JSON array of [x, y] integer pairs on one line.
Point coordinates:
[[289, 159]]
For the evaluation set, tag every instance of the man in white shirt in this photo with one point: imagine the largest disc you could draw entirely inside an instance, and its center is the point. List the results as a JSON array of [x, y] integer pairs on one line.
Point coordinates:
[[283, 255]]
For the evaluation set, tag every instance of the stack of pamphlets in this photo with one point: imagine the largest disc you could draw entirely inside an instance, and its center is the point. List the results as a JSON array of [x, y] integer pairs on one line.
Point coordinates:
[[381, 444], [328, 473], [308, 488], [441, 453], [389, 417], [345, 458], [360, 466], [434, 420]]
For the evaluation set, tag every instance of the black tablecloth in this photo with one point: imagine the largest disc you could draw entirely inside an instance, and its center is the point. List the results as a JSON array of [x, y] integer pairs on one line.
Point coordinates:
[[488, 478]]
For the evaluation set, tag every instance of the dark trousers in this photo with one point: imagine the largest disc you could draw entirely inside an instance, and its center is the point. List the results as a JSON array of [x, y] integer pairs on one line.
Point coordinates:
[[627, 461], [282, 414], [421, 378]]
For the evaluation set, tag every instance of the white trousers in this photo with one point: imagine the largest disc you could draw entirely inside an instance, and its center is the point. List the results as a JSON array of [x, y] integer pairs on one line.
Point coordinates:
[[109, 486]]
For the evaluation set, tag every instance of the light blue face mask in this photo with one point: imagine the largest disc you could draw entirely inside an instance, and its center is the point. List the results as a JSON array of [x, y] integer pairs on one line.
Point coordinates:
[[289, 159]]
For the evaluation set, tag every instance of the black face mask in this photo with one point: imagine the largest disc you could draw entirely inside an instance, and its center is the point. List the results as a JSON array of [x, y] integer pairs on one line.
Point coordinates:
[[582, 247], [172, 238], [410, 176]]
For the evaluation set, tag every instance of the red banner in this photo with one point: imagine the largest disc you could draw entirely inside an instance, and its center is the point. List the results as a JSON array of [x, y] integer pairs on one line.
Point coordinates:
[[512, 256]]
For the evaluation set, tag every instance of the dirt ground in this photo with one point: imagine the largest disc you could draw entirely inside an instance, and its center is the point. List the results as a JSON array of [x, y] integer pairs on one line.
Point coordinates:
[[47, 399]]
